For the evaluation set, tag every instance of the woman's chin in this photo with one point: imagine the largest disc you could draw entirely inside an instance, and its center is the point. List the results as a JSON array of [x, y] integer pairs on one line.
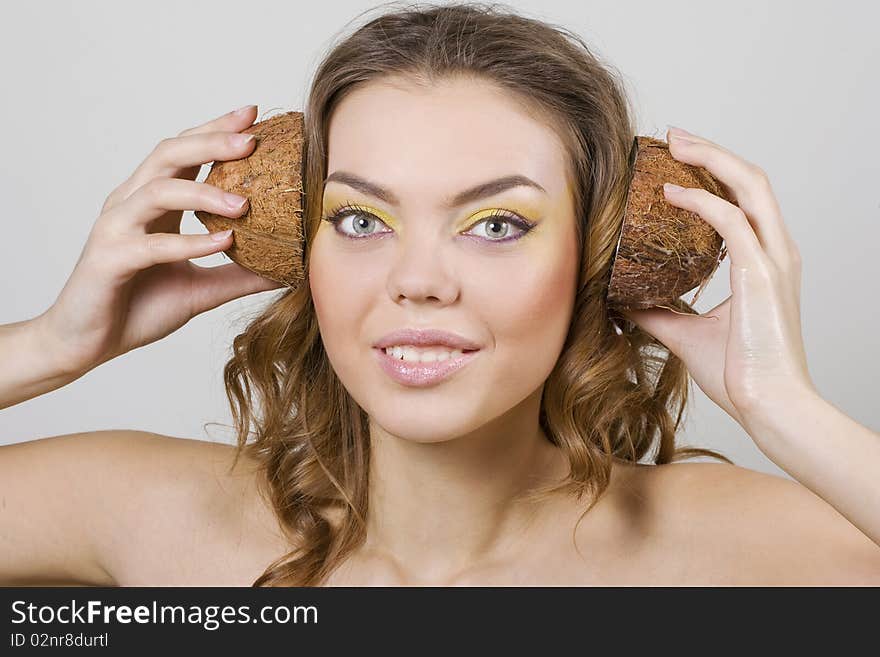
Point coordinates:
[[418, 428]]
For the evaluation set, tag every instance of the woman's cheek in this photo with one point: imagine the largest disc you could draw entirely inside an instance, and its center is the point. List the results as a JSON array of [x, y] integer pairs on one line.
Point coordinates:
[[534, 295], [333, 295], [529, 313], [344, 293], [335, 272]]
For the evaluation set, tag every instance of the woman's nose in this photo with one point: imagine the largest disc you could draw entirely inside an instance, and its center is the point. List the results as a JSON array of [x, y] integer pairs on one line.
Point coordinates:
[[421, 269]]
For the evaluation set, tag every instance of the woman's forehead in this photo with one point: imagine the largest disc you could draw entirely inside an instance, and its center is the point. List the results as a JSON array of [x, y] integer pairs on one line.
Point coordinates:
[[462, 130]]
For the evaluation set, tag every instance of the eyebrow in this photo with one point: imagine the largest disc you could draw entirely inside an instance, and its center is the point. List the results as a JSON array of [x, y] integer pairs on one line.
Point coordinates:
[[483, 190]]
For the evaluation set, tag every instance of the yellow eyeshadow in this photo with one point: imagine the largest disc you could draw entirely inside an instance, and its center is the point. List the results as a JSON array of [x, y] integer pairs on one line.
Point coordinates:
[[527, 212], [384, 216], [330, 203]]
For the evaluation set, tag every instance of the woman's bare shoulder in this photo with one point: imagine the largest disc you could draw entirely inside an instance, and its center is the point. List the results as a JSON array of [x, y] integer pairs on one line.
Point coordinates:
[[132, 507], [744, 526], [197, 517]]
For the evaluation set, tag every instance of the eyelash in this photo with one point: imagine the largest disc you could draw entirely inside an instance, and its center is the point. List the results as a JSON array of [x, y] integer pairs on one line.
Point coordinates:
[[335, 215]]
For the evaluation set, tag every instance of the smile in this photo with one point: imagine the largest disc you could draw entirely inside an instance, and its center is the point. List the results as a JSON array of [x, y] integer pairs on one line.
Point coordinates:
[[413, 354], [422, 367]]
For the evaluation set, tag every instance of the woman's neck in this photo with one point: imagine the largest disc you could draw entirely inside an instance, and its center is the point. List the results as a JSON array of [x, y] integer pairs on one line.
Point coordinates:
[[438, 509]]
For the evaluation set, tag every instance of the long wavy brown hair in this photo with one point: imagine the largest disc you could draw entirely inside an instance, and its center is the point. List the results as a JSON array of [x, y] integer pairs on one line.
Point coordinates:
[[609, 395]]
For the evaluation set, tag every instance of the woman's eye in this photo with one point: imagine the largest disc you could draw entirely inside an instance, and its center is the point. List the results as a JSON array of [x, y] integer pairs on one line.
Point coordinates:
[[360, 227], [357, 224], [498, 227]]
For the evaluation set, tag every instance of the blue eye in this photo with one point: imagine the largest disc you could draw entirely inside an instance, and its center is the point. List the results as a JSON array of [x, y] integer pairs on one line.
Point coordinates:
[[363, 220], [504, 219]]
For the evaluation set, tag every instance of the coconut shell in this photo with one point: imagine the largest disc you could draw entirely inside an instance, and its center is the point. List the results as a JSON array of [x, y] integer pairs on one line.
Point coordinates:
[[663, 250], [268, 238]]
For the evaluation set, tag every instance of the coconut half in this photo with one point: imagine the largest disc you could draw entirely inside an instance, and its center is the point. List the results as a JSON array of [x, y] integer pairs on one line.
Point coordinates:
[[663, 251], [268, 238]]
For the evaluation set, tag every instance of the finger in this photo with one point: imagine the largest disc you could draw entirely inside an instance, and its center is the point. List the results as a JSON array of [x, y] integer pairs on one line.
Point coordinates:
[[231, 122], [172, 158], [728, 220], [672, 329], [126, 255], [748, 185], [160, 195], [677, 330], [214, 286]]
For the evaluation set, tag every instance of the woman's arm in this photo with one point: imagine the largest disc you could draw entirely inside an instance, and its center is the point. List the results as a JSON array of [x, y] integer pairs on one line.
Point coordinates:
[[108, 306], [827, 451], [29, 362], [747, 354]]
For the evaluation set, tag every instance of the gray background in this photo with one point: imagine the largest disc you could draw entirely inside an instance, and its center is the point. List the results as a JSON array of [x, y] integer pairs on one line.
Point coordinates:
[[89, 88]]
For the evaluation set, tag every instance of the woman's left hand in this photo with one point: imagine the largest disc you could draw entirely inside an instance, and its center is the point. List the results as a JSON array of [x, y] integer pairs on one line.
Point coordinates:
[[750, 358]]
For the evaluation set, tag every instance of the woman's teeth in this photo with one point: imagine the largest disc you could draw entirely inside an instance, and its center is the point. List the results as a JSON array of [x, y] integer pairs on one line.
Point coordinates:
[[416, 355]]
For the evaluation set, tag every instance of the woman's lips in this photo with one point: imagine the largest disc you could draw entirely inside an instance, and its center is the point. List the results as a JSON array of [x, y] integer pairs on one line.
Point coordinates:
[[421, 375]]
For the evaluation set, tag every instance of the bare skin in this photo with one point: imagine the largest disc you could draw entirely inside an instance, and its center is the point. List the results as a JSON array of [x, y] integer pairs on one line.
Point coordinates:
[[145, 509], [134, 508]]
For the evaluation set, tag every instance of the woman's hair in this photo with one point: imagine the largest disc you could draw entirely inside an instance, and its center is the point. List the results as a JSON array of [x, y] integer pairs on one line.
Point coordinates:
[[608, 396]]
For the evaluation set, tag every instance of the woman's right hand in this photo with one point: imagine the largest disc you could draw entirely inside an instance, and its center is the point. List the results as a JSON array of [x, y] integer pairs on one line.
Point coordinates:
[[133, 283]]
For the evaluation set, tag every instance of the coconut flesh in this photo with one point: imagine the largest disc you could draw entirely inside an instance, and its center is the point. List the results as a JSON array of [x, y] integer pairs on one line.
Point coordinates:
[[663, 251], [268, 238]]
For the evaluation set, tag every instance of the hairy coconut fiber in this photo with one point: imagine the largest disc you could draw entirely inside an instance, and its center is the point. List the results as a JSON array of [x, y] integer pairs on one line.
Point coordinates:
[[663, 250], [268, 238]]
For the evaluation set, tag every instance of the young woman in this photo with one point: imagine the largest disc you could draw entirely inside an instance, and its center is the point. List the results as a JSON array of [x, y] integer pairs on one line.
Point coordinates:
[[464, 193]]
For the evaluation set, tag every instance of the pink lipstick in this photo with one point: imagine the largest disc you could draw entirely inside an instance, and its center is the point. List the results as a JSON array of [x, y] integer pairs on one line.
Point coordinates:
[[421, 375]]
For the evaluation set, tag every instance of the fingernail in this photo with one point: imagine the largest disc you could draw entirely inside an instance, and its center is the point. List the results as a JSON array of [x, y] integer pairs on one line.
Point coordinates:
[[234, 201], [241, 139], [671, 188], [243, 110], [678, 133], [219, 237]]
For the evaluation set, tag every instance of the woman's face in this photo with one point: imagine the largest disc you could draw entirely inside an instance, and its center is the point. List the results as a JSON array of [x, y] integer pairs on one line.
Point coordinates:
[[415, 260]]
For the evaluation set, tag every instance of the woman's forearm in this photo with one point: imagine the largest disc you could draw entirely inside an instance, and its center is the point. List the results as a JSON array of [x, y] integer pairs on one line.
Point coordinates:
[[828, 452], [29, 366]]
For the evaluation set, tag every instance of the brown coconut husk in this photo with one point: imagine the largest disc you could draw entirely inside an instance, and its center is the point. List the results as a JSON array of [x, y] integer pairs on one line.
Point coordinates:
[[663, 250], [268, 238]]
